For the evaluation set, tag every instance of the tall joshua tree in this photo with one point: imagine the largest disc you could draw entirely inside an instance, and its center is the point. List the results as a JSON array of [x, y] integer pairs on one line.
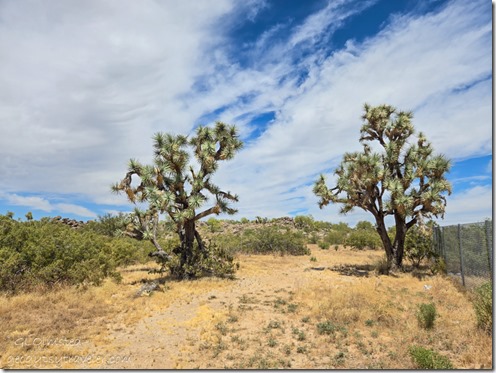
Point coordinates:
[[405, 180], [174, 187]]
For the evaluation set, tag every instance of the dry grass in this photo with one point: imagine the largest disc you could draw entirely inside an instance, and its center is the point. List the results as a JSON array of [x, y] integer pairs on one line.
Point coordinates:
[[278, 313]]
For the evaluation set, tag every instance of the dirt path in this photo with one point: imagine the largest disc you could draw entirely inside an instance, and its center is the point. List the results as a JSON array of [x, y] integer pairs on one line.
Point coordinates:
[[166, 339]]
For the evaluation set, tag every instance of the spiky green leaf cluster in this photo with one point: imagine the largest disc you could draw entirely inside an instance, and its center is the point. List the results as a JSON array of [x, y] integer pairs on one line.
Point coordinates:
[[404, 178], [172, 186]]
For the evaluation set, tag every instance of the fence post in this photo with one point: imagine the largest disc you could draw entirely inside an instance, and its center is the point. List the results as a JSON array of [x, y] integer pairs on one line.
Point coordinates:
[[461, 255], [441, 239], [489, 248]]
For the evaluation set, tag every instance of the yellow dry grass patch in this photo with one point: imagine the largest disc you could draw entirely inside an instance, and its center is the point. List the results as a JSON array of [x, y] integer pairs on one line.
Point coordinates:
[[379, 316], [269, 317]]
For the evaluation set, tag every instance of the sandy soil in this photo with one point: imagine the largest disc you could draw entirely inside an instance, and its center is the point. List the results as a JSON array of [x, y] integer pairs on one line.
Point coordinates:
[[279, 312]]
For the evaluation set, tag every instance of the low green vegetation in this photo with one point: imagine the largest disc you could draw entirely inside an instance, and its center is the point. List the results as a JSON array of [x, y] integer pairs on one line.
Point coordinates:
[[264, 240], [418, 244], [426, 315], [428, 359], [363, 238], [483, 305], [44, 253]]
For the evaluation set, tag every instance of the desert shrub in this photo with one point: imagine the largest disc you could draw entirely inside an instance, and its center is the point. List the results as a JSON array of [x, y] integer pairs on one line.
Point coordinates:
[[483, 305], [211, 261], [232, 243], [335, 237], [439, 266], [43, 253], [428, 359], [109, 225], [214, 225], [329, 328], [126, 251], [264, 240], [365, 225], [322, 225], [324, 245], [418, 245], [305, 222], [272, 240], [313, 239], [363, 238], [426, 315], [326, 327]]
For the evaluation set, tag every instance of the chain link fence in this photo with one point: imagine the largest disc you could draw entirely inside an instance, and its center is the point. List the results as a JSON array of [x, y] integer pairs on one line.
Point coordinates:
[[467, 250]]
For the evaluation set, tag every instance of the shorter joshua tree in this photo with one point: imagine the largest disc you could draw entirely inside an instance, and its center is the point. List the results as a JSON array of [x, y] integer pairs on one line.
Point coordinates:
[[173, 186], [405, 181]]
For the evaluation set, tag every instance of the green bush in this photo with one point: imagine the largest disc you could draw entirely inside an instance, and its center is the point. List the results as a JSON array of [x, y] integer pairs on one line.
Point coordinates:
[[324, 245], [214, 225], [305, 222], [43, 253], [211, 261], [326, 327], [341, 227], [428, 359], [313, 239], [483, 305], [335, 237], [426, 315], [439, 266], [264, 240], [418, 245], [126, 251], [109, 225], [365, 225], [362, 238], [272, 240]]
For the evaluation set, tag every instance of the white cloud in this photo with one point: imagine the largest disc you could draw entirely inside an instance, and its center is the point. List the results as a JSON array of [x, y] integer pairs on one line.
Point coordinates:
[[37, 203], [43, 204], [469, 206], [70, 208], [84, 88], [320, 120], [114, 74]]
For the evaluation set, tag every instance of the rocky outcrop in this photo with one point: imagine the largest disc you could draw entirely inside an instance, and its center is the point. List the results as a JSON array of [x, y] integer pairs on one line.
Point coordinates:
[[74, 224]]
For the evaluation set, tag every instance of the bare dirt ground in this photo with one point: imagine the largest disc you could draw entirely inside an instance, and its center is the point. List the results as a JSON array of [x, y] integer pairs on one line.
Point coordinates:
[[280, 312]]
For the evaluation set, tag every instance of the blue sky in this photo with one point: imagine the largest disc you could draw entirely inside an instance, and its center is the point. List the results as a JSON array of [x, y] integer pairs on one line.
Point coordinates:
[[83, 89]]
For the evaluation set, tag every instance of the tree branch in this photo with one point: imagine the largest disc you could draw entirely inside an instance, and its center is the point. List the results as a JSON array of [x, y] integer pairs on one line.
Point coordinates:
[[212, 210]]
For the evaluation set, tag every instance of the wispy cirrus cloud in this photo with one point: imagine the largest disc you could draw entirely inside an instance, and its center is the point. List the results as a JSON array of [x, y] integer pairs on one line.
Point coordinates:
[[314, 124], [113, 75], [84, 88]]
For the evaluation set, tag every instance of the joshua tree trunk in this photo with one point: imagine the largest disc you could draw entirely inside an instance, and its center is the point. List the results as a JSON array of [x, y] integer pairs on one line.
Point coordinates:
[[399, 241], [188, 235], [394, 250], [386, 241]]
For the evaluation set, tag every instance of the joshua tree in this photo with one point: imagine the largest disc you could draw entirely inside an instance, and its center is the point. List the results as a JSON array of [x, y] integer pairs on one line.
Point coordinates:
[[405, 181], [174, 187]]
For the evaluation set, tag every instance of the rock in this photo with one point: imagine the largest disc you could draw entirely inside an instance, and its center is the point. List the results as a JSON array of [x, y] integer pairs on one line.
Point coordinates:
[[147, 289]]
